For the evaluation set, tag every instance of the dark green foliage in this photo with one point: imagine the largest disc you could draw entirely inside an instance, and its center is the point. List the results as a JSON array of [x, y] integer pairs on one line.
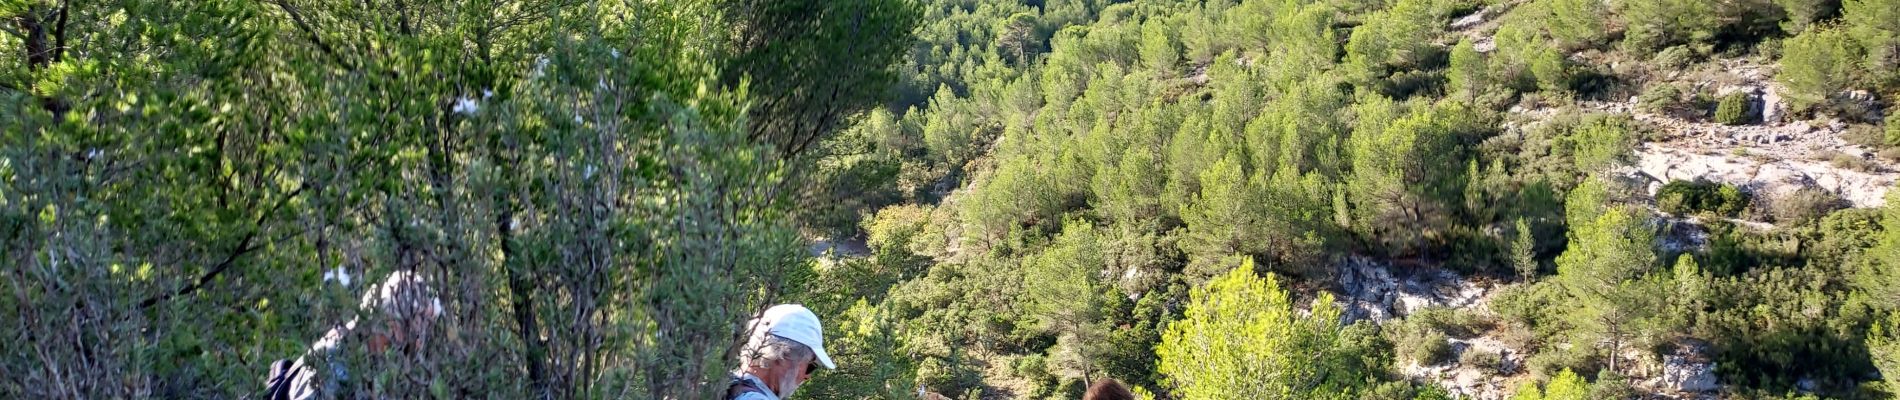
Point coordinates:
[[1804, 13], [1733, 110], [1662, 99], [811, 65], [1685, 197], [1817, 64], [1655, 25], [1578, 23], [1612, 385], [1765, 338], [1468, 76], [1422, 337]]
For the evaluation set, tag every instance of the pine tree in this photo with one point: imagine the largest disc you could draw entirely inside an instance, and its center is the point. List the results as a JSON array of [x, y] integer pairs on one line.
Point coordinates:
[[1567, 386], [1817, 64], [1241, 338], [1657, 24], [1468, 73], [1577, 23], [1160, 51], [1605, 269], [1524, 251], [1883, 342], [1066, 295]]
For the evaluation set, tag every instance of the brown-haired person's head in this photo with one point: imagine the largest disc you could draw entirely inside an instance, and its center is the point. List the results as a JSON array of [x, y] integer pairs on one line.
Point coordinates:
[[1108, 389]]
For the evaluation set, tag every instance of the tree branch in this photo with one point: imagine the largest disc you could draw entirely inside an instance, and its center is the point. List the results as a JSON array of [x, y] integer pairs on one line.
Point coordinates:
[[244, 247], [297, 19]]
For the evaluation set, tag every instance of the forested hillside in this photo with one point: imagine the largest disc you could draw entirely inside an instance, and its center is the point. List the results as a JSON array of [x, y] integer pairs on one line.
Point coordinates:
[[1207, 199], [1192, 196]]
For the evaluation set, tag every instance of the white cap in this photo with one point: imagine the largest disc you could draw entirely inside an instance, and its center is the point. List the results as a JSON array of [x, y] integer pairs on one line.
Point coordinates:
[[796, 323]]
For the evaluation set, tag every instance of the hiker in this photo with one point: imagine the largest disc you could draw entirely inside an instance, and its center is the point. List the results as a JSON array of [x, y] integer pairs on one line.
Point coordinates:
[[1108, 389], [784, 346], [408, 310]]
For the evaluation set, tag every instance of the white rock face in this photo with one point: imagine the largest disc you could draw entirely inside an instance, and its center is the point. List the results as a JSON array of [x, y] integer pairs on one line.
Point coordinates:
[[1689, 370], [1774, 178], [1369, 290], [1683, 375]]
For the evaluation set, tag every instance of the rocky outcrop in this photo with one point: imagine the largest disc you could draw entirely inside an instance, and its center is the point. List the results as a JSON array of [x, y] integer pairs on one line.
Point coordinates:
[[1375, 290], [1483, 382], [1689, 370], [1662, 164]]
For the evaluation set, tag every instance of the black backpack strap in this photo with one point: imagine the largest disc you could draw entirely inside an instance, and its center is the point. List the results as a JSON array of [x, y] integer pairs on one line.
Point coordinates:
[[741, 386], [290, 380]]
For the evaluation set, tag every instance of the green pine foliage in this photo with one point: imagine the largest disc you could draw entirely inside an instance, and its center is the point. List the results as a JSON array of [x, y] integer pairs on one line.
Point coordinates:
[[1524, 251], [1732, 110], [1240, 337], [1684, 197], [1578, 23], [1817, 64], [1046, 192]]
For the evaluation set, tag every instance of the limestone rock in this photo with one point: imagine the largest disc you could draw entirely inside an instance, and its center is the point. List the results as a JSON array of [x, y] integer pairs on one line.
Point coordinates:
[[1370, 290], [1690, 369], [1773, 178], [1773, 108]]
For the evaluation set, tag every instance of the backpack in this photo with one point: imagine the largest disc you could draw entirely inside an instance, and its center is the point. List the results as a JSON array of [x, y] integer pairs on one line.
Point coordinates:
[[288, 381], [741, 386]]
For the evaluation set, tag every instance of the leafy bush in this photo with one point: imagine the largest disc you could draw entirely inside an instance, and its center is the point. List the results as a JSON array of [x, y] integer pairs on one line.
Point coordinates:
[[1805, 205], [1847, 161], [1684, 197], [1660, 99], [1489, 361], [1423, 337], [1869, 136], [1733, 110], [1893, 127], [1233, 336], [1676, 58], [1428, 348]]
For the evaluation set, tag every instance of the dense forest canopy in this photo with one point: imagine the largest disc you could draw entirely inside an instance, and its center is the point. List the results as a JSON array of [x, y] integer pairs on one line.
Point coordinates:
[[1187, 196]]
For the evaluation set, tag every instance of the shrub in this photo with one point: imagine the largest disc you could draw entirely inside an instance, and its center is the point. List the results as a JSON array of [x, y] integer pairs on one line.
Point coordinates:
[[1424, 336], [1660, 99], [1487, 360], [1612, 385], [1848, 161], [1430, 348], [1676, 58], [1551, 361], [1893, 128], [1684, 197], [1804, 205], [1393, 390], [1866, 135], [1733, 110]]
